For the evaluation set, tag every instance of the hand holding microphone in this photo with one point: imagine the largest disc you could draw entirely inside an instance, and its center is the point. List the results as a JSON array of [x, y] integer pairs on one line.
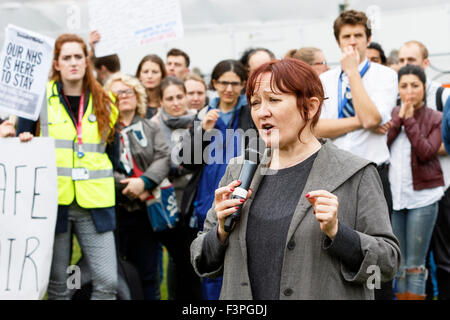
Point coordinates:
[[228, 200], [226, 206]]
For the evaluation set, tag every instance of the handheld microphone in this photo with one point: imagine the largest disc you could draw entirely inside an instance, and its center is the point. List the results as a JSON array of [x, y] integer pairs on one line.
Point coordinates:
[[251, 162]]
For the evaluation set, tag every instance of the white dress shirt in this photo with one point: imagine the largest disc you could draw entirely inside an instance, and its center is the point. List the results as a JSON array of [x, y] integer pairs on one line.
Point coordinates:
[[381, 85], [432, 87], [400, 177]]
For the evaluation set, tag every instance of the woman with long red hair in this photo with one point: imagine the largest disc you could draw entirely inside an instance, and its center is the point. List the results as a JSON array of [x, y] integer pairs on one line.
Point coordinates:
[[80, 116]]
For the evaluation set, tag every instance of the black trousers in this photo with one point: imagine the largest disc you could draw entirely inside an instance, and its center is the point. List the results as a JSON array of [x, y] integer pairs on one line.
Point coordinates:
[[138, 243], [440, 246], [386, 292]]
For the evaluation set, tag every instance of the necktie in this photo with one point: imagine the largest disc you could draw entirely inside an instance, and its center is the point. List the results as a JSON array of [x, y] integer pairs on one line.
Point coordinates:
[[348, 110]]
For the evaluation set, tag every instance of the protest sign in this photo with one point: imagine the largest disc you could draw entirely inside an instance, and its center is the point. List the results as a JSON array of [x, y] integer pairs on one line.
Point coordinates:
[[25, 63], [28, 208], [130, 24]]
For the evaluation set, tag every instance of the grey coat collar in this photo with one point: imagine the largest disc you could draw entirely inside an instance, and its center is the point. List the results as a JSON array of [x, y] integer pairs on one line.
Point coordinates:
[[331, 168]]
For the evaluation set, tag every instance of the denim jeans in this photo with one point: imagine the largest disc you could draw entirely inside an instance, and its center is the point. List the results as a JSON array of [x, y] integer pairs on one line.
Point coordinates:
[[413, 228]]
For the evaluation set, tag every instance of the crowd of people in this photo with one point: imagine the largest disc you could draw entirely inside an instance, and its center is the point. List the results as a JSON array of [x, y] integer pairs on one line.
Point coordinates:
[[357, 157]]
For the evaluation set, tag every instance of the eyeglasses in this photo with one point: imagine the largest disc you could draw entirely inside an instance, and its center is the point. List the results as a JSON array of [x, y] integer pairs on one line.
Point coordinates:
[[124, 93], [324, 63], [224, 84]]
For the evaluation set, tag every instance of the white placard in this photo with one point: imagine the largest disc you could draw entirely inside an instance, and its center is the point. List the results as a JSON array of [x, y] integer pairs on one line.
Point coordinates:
[[25, 64], [28, 208], [133, 23]]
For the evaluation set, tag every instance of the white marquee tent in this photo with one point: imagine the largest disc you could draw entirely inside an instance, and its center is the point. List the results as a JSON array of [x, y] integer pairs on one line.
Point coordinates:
[[217, 29]]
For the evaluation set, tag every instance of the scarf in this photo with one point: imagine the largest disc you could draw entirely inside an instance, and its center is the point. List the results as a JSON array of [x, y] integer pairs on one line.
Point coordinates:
[[169, 123], [181, 122]]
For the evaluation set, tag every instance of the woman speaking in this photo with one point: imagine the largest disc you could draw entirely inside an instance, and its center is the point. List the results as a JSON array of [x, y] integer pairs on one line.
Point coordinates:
[[315, 224]]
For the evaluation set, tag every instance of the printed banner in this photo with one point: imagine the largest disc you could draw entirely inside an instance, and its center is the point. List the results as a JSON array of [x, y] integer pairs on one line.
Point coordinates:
[[25, 64], [28, 208], [130, 24]]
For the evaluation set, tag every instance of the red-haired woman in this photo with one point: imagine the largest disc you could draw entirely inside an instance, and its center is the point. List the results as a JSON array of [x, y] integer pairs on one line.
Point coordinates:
[[81, 117], [315, 224]]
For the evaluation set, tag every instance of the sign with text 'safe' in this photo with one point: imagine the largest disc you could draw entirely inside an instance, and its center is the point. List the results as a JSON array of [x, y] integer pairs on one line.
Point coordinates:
[[25, 63], [28, 208], [124, 25]]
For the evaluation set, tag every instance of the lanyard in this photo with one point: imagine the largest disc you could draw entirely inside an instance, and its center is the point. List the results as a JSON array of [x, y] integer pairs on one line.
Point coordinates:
[[126, 157], [80, 152], [343, 100], [80, 118]]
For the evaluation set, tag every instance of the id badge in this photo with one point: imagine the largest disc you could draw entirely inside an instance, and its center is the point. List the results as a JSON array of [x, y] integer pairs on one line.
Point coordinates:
[[80, 174]]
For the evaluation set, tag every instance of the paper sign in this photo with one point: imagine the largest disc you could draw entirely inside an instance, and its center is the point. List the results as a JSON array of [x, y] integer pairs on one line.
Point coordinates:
[[25, 63], [28, 208], [130, 24]]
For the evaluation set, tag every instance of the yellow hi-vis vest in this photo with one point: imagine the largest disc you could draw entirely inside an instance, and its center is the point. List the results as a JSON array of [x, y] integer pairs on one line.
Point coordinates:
[[95, 190]]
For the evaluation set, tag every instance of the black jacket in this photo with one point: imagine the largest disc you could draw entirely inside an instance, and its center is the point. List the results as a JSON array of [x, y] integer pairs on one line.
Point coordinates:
[[245, 122]]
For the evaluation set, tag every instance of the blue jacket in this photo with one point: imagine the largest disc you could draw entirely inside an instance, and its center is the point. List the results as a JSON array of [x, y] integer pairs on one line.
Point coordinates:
[[446, 126], [213, 172], [201, 186]]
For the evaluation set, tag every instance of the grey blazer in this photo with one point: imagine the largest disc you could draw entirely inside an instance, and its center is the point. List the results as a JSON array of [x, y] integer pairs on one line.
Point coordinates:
[[154, 158], [311, 270]]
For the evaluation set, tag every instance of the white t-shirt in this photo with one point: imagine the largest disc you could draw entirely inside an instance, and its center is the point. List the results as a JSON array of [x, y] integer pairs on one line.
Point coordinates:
[[432, 87], [381, 85]]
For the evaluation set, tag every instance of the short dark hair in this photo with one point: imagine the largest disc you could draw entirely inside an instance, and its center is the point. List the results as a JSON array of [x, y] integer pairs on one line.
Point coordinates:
[[251, 51], [178, 52], [413, 69], [112, 63], [353, 18], [377, 46], [225, 66]]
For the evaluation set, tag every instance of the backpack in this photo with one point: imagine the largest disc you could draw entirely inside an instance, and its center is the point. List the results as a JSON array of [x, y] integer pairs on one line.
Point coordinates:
[[439, 105]]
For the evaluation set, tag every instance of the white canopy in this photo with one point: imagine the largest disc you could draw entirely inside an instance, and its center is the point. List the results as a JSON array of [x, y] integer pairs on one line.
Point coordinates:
[[217, 29]]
